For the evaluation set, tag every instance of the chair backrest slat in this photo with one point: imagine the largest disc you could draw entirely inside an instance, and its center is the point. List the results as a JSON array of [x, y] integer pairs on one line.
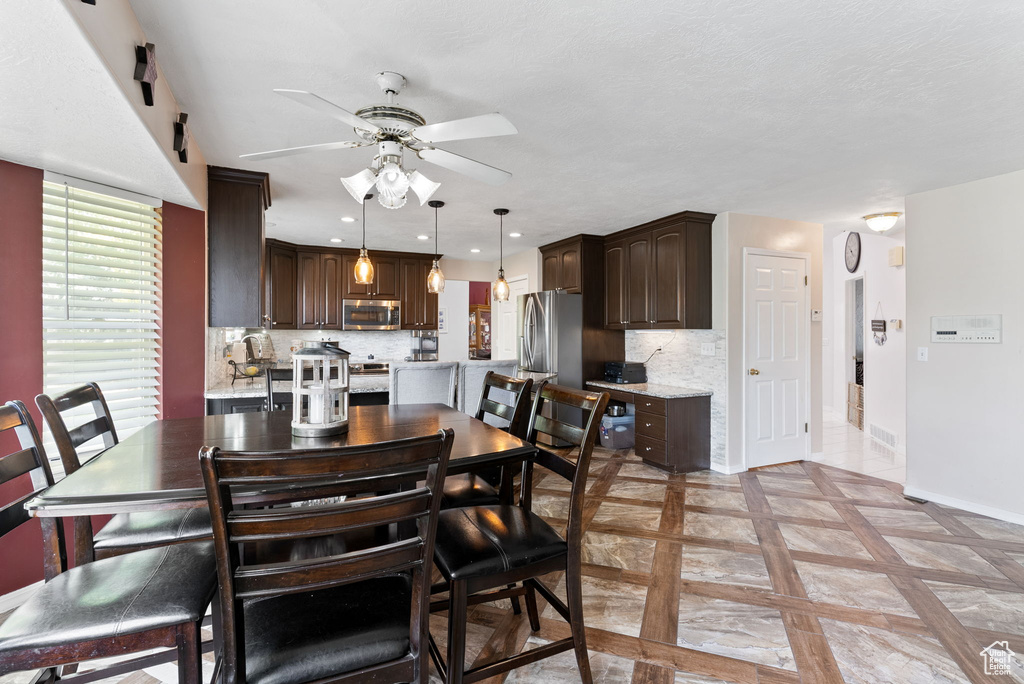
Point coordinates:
[[86, 431], [515, 412], [279, 401], [559, 430], [68, 440], [29, 460], [405, 547]]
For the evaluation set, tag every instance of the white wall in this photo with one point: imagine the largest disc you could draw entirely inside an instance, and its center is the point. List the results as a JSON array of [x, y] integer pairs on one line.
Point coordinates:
[[965, 404], [731, 232], [885, 367], [453, 345]]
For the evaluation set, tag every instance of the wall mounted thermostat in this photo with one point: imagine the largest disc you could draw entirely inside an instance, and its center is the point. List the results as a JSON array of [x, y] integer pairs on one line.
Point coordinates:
[[984, 329]]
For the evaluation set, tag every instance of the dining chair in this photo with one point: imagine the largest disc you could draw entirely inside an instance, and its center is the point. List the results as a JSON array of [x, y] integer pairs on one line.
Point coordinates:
[[471, 384], [359, 616], [482, 548], [423, 382], [505, 401], [279, 401], [149, 599], [124, 532]]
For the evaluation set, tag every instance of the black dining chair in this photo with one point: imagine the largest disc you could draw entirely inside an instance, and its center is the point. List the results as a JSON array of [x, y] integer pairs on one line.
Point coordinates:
[[279, 401], [349, 616], [482, 548], [506, 400], [125, 532], [134, 602]]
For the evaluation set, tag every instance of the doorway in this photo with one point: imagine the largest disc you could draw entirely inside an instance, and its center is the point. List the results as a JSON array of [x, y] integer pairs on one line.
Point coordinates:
[[776, 343], [855, 352]]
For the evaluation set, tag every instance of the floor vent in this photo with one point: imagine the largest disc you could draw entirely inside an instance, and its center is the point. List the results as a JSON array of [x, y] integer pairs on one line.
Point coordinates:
[[884, 436]]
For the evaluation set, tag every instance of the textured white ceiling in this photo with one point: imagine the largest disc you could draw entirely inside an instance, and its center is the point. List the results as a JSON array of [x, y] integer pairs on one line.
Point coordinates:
[[61, 109], [627, 110]]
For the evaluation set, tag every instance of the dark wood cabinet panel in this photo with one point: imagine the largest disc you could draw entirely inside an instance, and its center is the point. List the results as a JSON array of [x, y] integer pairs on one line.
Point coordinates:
[[386, 277], [309, 290], [668, 247], [638, 278], [331, 279], [551, 269], [282, 267], [352, 289], [614, 286], [697, 274], [419, 308], [570, 264], [235, 246]]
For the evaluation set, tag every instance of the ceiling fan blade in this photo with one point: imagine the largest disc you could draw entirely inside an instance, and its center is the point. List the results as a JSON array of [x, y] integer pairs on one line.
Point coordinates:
[[465, 166], [483, 126], [289, 151], [329, 108]]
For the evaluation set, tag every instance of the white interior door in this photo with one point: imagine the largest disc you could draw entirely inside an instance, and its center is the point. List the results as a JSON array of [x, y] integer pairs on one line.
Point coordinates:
[[503, 319], [776, 354]]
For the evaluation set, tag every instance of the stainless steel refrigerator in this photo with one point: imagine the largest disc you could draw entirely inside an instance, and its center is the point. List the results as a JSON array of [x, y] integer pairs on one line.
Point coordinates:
[[550, 326]]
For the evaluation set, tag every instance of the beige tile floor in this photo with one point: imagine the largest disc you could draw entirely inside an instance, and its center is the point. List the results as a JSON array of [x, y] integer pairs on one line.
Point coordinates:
[[846, 447]]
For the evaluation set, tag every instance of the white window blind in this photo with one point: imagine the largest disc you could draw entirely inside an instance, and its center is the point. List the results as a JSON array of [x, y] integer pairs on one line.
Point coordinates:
[[101, 299]]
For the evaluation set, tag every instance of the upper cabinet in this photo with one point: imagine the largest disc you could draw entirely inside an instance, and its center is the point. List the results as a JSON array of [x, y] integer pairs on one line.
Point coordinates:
[[658, 275], [281, 278], [235, 246], [573, 265], [385, 278], [419, 307]]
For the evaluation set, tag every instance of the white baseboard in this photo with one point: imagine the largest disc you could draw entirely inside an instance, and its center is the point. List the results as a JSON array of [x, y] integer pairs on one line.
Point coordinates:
[[982, 509], [726, 470], [15, 598]]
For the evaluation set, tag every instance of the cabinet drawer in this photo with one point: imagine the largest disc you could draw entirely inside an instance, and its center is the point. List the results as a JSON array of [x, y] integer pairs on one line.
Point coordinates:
[[650, 404], [650, 425], [650, 449]]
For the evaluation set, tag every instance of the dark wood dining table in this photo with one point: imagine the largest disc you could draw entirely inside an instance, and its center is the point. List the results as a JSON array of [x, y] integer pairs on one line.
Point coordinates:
[[158, 466]]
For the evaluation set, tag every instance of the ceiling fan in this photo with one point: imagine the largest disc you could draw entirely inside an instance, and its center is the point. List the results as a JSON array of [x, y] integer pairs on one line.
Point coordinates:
[[394, 129]]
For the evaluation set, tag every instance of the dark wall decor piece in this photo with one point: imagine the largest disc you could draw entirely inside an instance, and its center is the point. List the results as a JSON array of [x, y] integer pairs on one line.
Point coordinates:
[[89, 2], [145, 70], [181, 137]]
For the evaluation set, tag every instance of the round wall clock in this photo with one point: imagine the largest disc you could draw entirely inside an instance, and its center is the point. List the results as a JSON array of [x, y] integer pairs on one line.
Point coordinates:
[[852, 252]]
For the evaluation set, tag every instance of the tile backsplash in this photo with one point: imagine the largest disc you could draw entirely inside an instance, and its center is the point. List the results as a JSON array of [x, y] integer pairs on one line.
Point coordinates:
[[681, 363], [385, 345]]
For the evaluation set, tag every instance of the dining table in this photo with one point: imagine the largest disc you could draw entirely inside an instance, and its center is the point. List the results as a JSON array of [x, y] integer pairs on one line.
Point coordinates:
[[157, 467]]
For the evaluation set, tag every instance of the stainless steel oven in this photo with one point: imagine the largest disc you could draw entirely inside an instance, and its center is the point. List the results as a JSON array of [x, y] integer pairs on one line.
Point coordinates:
[[371, 314]]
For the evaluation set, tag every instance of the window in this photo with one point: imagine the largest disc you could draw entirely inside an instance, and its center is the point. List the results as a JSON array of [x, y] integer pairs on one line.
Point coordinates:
[[101, 297]]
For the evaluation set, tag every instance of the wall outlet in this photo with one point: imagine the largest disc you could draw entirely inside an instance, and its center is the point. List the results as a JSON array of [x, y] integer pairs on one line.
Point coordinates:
[[816, 314], [707, 348], [922, 353]]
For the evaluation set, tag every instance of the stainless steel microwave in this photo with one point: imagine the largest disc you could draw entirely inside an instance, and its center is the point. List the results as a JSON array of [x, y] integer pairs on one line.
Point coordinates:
[[371, 314]]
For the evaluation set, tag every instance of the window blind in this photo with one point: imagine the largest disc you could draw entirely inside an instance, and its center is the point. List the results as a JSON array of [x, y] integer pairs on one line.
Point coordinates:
[[101, 300]]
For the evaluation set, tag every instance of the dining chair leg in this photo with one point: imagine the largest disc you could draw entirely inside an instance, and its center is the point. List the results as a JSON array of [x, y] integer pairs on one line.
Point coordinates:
[[531, 607], [516, 609], [574, 596], [190, 656], [457, 606]]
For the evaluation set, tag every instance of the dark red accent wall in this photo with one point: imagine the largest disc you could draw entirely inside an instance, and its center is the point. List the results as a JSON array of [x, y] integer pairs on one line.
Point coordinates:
[[479, 293], [21, 338], [183, 347]]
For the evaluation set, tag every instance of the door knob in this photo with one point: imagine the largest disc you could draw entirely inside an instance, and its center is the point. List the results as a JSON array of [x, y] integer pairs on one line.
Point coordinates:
[[754, 371]]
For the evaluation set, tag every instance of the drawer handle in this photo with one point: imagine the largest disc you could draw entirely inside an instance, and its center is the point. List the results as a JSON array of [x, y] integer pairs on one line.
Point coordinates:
[[647, 425], [647, 448], [647, 403]]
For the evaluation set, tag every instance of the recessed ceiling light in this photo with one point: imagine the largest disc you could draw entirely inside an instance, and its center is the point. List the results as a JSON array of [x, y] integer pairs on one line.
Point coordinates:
[[474, 251], [347, 219], [336, 240], [422, 237], [515, 235]]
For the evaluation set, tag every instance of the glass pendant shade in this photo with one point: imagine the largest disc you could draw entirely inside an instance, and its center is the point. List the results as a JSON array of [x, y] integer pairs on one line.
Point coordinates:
[[499, 288], [435, 279], [882, 222], [422, 186], [358, 184], [364, 268], [391, 201]]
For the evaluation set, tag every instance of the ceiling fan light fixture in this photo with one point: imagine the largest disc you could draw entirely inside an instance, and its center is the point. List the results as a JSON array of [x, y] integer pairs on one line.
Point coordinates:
[[882, 222], [422, 186], [392, 180], [358, 184], [390, 202]]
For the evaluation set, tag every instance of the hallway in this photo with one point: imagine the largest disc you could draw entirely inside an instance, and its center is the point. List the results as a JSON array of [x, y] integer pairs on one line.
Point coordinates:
[[846, 447]]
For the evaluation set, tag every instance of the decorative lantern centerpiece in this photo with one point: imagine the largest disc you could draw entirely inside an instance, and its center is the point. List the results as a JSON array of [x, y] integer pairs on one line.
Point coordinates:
[[319, 404]]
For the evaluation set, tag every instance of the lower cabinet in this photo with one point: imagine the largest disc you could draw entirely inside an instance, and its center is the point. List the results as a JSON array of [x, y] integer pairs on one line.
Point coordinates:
[[671, 434], [220, 407]]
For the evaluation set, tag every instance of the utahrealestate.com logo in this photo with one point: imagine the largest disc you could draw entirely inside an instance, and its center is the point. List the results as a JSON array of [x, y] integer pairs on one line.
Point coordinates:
[[998, 658]]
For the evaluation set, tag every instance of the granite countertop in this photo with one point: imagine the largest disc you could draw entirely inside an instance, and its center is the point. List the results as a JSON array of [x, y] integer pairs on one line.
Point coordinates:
[[650, 389], [258, 388]]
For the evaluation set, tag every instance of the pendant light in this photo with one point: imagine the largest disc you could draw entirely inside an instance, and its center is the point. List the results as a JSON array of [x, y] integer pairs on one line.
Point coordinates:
[[435, 279], [499, 288], [364, 269]]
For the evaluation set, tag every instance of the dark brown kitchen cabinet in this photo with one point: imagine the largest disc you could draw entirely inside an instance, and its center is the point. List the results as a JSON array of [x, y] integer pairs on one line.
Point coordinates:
[[663, 269], [551, 269], [385, 283], [281, 277], [319, 290], [235, 246], [419, 307], [573, 264]]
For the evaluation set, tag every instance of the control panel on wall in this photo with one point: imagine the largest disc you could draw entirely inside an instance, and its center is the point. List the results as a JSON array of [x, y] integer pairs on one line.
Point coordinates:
[[986, 329]]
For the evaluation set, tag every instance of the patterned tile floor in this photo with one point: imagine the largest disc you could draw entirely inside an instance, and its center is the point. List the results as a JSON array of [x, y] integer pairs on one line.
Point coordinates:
[[795, 573], [846, 447]]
